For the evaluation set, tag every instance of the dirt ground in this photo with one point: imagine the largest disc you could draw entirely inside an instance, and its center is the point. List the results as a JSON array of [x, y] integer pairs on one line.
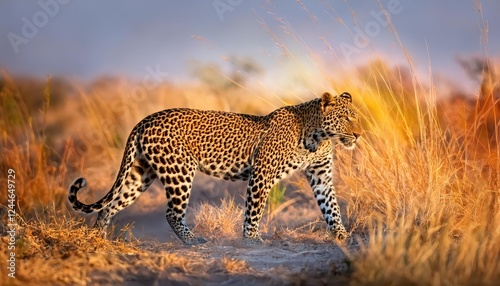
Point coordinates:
[[274, 263]]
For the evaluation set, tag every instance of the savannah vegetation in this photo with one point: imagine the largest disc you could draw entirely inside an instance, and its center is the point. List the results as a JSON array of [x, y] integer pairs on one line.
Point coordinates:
[[420, 195]]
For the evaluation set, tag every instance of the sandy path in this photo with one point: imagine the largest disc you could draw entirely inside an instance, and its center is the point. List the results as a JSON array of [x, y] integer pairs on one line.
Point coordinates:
[[281, 259], [276, 262]]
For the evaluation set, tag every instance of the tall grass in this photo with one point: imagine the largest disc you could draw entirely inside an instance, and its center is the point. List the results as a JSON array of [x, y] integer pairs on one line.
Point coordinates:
[[424, 192], [39, 182], [427, 197]]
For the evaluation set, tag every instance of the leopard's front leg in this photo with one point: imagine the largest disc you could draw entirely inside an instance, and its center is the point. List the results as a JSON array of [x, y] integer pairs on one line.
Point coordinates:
[[320, 177], [254, 207]]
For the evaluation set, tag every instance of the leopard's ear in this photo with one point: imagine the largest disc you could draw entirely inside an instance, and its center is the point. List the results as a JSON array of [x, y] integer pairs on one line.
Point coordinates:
[[347, 96], [327, 101]]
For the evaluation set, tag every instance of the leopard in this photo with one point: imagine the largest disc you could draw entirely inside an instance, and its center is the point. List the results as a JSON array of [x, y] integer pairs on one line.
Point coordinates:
[[173, 144]]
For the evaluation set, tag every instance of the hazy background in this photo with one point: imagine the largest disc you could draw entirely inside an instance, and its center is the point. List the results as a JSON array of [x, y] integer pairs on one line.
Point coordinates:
[[287, 41], [419, 195]]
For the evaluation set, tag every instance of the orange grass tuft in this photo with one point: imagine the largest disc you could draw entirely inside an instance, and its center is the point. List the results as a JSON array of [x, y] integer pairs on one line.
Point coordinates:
[[224, 220]]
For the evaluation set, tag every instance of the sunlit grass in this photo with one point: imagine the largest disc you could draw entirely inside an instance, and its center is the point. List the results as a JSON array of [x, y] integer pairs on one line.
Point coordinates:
[[222, 220], [25, 152], [422, 194], [427, 198], [422, 187]]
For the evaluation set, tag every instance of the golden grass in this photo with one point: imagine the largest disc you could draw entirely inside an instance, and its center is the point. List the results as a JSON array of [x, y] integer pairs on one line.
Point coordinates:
[[56, 249], [428, 198], [24, 151], [232, 265], [224, 220], [425, 194]]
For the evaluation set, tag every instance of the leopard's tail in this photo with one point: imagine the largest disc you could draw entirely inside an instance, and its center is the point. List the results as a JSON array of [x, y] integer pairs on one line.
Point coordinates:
[[131, 149]]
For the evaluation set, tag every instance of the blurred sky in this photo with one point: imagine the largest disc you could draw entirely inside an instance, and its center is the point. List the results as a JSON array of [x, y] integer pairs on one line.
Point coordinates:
[[87, 39]]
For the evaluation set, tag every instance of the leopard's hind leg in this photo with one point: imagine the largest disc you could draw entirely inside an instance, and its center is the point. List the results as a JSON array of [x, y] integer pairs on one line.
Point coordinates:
[[176, 171], [139, 179]]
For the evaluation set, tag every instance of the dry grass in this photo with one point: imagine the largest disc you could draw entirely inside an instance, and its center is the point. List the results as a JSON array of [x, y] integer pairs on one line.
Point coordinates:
[[52, 247], [429, 198], [57, 249], [232, 265], [224, 220], [426, 194], [24, 149]]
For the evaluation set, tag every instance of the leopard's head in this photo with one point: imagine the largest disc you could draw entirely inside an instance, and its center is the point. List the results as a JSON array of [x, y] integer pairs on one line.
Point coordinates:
[[340, 120]]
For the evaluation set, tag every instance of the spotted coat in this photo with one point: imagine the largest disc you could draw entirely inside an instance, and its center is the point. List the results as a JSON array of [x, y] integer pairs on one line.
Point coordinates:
[[173, 144]]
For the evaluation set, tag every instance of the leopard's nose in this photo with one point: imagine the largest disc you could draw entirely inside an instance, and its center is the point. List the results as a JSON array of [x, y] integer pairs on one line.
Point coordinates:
[[357, 135]]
